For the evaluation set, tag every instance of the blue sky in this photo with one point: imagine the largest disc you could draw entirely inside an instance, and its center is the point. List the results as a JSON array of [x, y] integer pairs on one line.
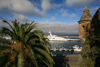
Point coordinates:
[[59, 16]]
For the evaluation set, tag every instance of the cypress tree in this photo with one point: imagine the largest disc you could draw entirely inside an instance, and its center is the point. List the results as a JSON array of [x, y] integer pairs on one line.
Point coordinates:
[[91, 47]]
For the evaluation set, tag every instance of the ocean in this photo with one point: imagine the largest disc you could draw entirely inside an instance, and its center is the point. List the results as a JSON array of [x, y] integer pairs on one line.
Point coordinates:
[[65, 44]]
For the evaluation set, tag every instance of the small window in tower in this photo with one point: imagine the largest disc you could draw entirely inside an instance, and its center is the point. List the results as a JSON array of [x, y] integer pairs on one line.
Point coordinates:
[[83, 26]]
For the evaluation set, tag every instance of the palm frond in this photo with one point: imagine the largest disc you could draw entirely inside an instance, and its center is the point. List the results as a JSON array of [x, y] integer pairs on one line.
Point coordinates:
[[27, 37], [8, 24], [32, 56], [5, 41], [20, 60], [7, 31], [45, 54], [43, 60]]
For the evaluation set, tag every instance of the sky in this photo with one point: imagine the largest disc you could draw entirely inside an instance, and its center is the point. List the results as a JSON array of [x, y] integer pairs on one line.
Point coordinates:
[[58, 16]]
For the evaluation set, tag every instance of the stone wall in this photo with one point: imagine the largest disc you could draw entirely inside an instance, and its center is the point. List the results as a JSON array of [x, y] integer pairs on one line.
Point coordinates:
[[82, 30], [84, 21]]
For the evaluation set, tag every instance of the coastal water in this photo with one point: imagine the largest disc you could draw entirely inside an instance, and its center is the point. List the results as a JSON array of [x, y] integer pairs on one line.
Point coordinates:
[[65, 44]]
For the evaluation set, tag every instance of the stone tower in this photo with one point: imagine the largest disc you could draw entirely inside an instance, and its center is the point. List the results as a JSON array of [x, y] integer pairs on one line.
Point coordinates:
[[84, 21]]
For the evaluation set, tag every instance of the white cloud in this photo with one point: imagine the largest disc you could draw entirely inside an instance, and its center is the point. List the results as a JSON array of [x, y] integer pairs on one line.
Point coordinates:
[[45, 5], [56, 5], [21, 18], [78, 2], [26, 7], [20, 6], [65, 13], [93, 10], [53, 18], [58, 27], [72, 15]]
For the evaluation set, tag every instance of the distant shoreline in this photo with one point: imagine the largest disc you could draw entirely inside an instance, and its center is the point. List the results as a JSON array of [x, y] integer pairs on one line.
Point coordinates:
[[62, 34]]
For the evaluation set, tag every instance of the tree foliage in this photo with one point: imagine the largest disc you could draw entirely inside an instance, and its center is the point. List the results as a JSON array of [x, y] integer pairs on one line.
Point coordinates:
[[30, 47], [91, 47], [5, 41]]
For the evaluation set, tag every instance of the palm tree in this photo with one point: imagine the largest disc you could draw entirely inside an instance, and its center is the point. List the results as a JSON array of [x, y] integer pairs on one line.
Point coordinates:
[[30, 48], [5, 41]]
